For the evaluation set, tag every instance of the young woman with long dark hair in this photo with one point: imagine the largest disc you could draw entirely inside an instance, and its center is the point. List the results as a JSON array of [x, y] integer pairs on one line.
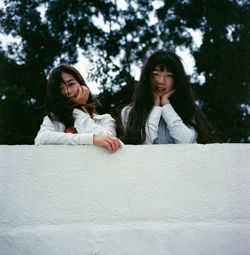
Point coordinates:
[[163, 110], [71, 113]]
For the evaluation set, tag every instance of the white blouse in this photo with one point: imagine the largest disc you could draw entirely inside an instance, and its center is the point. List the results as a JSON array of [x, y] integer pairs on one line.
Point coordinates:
[[52, 132], [177, 130]]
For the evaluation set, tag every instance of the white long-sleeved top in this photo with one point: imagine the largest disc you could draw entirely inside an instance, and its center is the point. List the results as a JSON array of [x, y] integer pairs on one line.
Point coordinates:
[[164, 125], [52, 132]]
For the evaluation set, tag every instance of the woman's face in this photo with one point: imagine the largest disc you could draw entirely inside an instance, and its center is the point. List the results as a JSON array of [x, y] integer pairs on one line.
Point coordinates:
[[162, 81], [71, 89]]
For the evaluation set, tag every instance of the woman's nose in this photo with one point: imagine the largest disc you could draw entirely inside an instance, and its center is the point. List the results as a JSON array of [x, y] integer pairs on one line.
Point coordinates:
[[161, 79]]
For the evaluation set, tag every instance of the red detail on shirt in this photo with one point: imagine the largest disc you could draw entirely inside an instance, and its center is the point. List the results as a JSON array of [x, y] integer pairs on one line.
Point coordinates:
[[71, 130]]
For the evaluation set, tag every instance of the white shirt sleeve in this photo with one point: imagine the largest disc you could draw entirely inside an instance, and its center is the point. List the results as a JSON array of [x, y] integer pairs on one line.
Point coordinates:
[[99, 125], [52, 132], [152, 124], [177, 129]]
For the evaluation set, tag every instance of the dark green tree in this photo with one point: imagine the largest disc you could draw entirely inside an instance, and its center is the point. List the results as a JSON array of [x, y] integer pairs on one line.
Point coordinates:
[[24, 65], [224, 59]]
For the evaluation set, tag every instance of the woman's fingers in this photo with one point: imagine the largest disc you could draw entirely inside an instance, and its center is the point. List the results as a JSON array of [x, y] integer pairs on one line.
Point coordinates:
[[80, 92], [170, 93], [112, 144], [157, 99], [108, 146], [82, 95], [78, 98]]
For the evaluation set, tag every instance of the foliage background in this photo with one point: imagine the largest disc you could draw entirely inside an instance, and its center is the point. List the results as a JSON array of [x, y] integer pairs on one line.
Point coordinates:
[[49, 32]]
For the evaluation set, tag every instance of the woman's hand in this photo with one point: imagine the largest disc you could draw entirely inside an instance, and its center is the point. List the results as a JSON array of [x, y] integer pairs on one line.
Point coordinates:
[[111, 143], [165, 97], [157, 99], [82, 97], [162, 98]]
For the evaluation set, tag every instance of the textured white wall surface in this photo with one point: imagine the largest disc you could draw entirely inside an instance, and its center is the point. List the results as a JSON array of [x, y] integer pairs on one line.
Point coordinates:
[[148, 199]]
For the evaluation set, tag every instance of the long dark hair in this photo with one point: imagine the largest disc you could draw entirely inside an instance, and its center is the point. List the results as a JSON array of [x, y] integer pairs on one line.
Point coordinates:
[[58, 107], [182, 100]]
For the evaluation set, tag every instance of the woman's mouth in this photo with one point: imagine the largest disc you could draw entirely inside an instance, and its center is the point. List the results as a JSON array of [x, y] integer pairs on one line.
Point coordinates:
[[160, 89]]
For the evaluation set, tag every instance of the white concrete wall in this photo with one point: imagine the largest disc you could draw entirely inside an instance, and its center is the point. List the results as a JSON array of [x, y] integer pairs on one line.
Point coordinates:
[[165, 199]]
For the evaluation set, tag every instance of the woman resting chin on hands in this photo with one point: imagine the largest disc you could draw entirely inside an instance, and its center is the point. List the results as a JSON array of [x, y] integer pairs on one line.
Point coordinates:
[[163, 110], [71, 113]]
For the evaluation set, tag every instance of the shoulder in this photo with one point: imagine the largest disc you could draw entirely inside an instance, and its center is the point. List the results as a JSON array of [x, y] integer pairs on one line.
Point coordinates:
[[102, 116], [48, 120], [51, 124], [79, 114]]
